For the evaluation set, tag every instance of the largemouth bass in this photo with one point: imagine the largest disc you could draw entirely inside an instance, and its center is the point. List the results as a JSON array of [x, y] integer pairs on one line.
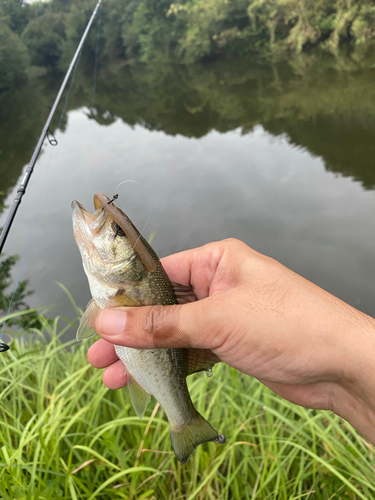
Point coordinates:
[[123, 270]]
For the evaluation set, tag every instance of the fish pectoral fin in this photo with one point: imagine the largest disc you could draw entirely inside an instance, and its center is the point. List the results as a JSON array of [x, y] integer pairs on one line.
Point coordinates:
[[200, 360], [139, 397], [183, 294], [86, 325], [121, 298]]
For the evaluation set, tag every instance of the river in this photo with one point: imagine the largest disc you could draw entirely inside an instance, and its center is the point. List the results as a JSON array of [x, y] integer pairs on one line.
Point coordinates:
[[280, 156]]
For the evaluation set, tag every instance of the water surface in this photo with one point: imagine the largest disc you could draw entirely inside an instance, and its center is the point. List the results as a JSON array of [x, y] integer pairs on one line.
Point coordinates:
[[279, 158]]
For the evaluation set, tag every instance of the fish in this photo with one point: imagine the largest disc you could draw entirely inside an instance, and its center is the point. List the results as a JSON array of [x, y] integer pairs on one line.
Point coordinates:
[[123, 270]]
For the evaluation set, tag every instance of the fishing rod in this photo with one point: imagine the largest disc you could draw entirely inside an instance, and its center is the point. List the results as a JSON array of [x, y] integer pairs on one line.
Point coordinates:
[[22, 187], [46, 132]]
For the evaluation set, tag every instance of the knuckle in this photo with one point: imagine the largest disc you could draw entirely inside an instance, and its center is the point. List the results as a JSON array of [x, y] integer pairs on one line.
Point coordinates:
[[153, 316], [161, 324], [232, 241]]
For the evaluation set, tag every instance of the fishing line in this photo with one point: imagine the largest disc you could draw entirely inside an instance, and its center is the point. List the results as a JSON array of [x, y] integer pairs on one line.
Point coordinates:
[[92, 113], [53, 142], [149, 204], [68, 92], [28, 241], [96, 61], [29, 170]]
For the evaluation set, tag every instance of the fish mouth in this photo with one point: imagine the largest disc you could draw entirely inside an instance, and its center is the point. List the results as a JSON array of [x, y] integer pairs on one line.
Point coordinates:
[[86, 225], [104, 210], [79, 212]]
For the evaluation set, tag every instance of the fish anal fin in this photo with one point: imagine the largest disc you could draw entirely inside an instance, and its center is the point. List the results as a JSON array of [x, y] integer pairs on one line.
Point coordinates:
[[86, 325], [200, 360], [185, 438], [139, 397], [183, 294]]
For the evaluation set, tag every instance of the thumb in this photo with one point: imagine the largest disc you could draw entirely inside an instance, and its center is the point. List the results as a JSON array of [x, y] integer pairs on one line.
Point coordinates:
[[189, 325]]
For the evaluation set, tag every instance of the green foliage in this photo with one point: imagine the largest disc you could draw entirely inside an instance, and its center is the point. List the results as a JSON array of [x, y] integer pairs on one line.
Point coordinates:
[[65, 435], [16, 14], [37, 9], [13, 58], [214, 26], [363, 25], [271, 25], [113, 46], [18, 304], [75, 22], [146, 30], [44, 37], [189, 30]]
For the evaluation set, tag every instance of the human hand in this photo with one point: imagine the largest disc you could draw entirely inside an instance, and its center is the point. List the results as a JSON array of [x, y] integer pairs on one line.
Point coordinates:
[[261, 318]]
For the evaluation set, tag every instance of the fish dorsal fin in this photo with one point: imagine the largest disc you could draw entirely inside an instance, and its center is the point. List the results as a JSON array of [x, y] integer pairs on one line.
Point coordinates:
[[139, 397], [86, 325], [201, 360], [183, 294]]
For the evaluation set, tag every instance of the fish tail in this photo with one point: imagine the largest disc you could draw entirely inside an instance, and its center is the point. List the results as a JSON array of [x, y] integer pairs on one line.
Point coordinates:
[[185, 438]]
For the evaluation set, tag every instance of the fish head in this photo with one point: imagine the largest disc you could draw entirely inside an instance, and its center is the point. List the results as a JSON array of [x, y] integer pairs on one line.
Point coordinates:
[[112, 250]]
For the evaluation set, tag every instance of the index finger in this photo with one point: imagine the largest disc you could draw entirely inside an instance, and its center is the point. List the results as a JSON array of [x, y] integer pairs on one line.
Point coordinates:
[[195, 268], [178, 267]]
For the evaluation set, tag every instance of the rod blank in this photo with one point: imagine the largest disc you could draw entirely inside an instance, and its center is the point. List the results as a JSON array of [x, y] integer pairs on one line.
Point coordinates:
[[22, 187]]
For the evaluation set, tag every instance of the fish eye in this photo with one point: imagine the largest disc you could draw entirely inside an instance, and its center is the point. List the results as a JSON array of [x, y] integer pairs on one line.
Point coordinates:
[[118, 230]]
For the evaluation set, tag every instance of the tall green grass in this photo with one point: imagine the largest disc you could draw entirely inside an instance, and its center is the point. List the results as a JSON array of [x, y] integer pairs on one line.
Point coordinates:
[[63, 435]]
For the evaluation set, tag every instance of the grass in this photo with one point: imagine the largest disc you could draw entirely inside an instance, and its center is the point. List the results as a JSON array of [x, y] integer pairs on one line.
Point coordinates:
[[63, 435]]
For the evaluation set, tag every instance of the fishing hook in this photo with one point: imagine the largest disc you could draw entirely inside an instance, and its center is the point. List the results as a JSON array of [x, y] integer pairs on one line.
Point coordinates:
[[100, 201], [115, 196]]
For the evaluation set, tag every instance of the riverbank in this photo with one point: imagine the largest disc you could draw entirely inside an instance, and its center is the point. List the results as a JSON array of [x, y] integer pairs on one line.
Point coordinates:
[[186, 31], [64, 435]]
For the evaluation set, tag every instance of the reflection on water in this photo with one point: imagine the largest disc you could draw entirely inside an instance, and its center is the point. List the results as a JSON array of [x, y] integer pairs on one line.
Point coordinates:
[[230, 149]]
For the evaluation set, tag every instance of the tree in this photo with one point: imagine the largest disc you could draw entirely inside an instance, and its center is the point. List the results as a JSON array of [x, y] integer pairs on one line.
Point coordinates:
[[15, 13], [13, 57], [44, 37]]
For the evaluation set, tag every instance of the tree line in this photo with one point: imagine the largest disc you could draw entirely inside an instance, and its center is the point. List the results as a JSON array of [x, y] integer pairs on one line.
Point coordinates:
[[44, 34]]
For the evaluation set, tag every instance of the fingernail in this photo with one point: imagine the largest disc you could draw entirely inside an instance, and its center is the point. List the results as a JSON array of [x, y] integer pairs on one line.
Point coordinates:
[[112, 322]]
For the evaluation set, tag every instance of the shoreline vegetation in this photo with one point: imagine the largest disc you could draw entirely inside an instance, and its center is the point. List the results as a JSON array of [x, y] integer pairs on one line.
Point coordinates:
[[64, 435], [44, 34]]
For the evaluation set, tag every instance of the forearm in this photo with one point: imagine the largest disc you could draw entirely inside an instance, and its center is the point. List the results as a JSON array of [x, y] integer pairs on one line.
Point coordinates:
[[354, 397]]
